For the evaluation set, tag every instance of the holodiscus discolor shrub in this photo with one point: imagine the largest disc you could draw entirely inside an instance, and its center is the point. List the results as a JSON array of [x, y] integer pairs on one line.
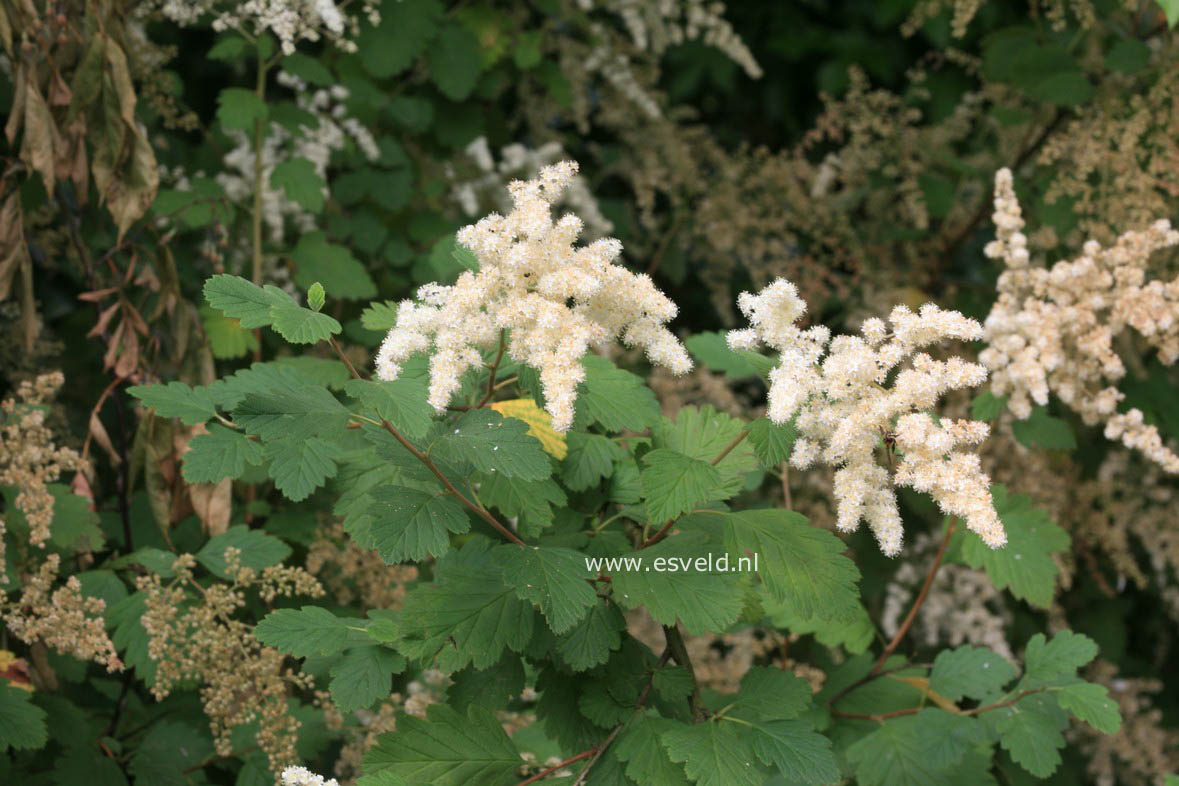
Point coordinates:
[[589, 392]]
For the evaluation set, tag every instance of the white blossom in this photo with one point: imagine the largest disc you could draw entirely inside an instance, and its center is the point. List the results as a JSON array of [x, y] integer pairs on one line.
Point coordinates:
[[332, 131], [1053, 330], [301, 776], [551, 299], [837, 392], [291, 21]]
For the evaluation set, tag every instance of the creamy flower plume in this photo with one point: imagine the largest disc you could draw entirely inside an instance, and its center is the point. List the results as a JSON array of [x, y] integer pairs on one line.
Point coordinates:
[[843, 409], [554, 301], [301, 776], [1053, 330]]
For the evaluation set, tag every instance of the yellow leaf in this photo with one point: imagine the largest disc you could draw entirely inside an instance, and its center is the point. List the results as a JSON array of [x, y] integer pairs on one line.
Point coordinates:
[[540, 424]]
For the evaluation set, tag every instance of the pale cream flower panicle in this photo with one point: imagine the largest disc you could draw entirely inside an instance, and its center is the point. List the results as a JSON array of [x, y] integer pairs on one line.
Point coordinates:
[[838, 393], [551, 299], [1053, 329], [301, 776]]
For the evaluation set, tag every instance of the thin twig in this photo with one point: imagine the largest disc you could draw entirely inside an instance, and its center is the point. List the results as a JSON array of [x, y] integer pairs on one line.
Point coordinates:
[[547, 772], [729, 447], [639, 703], [912, 615], [883, 716]]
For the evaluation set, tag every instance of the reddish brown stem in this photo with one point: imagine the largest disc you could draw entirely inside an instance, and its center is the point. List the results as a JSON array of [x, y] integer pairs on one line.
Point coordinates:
[[878, 669], [547, 772], [917, 604], [729, 447], [883, 716]]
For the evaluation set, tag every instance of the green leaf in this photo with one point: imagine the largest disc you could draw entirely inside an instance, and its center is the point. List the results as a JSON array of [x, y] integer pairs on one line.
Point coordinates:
[[293, 412], [407, 27], [409, 524], [177, 400], [166, 751], [222, 453], [1128, 55], [227, 338], [530, 500], [1050, 661], [316, 296], [455, 62], [318, 260], [380, 316], [703, 602], [363, 676], [22, 723], [490, 688], [308, 69], [987, 406], [301, 183], [1030, 731], [913, 750], [300, 466], [402, 402], [311, 630], [590, 458], [969, 671], [614, 398], [557, 710], [468, 615], [528, 53], [703, 433], [229, 47], [1042, 430], [768, 694], [552, 578], [300, 325], [238, 109], [853, 634], [771, 443], [81, 765], [590, 641], [1170, 11], [800, 565], [129, 635], [239, 299], [75, 526], [1025, 564], [489, 442], [447, 749], [673, 483], [713, 754], [641, 748], [712, 350], [1092, 704], [258, 550], [796, 751]]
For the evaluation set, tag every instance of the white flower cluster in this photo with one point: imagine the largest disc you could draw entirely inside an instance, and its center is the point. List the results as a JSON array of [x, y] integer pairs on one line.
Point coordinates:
[[517, 162], [555, 300], [835, 390], [655, 26], [1053, 330], [290, 21], [332, 131], [301, 776]]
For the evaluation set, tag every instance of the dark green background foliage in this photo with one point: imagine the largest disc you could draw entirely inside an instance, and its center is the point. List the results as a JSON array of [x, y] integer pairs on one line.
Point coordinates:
[[208, 354]]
